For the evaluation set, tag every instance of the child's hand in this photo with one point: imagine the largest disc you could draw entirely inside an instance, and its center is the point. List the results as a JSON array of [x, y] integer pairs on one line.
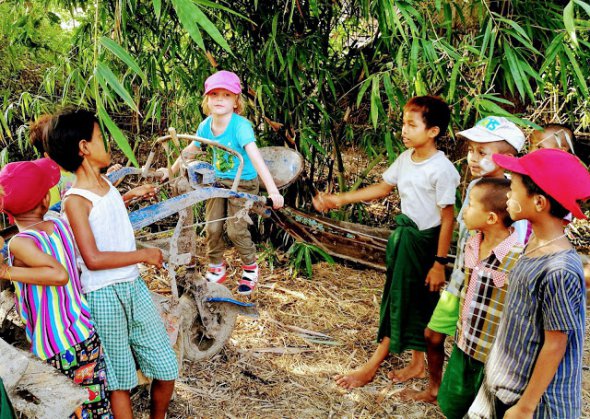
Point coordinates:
[[323, 202], [153, 257], [114, 168], [164, 173], [144, 192], [277, 200], [436, 277], [518, 412], [4, 271]]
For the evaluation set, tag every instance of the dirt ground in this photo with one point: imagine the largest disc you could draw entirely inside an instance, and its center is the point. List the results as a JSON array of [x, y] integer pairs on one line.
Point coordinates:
[[281, 364]]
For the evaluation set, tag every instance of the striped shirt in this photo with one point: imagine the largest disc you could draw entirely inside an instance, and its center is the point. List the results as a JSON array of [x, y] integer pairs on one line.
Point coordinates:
[[545, 293], [483, 294], [55, 317]]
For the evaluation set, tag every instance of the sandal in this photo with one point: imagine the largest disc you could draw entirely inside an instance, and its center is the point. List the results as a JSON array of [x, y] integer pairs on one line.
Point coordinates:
[[216, 273], [249, 279]]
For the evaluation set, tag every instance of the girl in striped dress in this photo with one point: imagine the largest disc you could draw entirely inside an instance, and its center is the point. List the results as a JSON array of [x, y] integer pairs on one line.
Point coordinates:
[[49, 300]]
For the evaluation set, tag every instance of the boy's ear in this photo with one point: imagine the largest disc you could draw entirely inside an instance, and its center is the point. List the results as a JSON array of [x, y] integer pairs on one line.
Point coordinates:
[[83, 148], [47, 200], [434, 131], [541, 203]]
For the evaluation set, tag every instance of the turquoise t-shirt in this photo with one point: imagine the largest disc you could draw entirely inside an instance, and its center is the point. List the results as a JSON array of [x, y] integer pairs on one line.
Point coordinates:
[[237, 135]]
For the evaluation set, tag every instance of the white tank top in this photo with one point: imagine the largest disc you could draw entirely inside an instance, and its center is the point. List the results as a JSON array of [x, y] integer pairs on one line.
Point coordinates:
[[112, 231]]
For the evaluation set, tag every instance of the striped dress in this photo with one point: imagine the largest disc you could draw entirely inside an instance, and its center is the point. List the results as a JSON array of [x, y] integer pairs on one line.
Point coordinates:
[[56, 318]]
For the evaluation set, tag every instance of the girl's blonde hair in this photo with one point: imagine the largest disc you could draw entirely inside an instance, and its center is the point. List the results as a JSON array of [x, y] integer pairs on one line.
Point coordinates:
[[238, 109]]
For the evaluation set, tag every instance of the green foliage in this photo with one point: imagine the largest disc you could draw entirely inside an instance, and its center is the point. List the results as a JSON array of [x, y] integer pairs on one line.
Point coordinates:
[[318, 75], [302, 256], [268, 253]]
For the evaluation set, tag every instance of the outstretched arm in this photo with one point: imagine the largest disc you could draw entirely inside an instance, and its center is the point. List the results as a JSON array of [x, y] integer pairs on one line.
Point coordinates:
[[262, 170], [146, 191], [32, 266], [324, 202]]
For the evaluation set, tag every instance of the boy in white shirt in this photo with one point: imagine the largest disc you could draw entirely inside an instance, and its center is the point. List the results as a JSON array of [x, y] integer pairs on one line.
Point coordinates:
[[417, 249]]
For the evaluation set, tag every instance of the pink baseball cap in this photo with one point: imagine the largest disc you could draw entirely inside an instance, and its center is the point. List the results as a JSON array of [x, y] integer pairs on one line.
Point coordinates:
[[223, 80], [560, 174], [26, 183]]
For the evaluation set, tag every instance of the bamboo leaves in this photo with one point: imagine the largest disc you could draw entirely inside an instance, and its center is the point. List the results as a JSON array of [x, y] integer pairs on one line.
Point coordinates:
[[191, 17], [117, 134], [123, 55], [157, 8], [568, 21], [375, 101], [107, 77]]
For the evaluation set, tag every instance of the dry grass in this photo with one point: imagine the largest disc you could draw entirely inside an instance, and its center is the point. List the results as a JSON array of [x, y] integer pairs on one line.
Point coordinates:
[[273, 368]]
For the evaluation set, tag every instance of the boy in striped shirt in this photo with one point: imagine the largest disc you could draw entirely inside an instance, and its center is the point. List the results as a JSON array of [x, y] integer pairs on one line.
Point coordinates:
[[534, 369], [48, 292]]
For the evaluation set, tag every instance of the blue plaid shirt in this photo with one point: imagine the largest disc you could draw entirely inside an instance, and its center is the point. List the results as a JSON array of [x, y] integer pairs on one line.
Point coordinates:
[[545, 293]]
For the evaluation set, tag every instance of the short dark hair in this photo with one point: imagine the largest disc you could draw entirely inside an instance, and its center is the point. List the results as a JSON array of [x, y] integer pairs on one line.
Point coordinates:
[[435, 112], [555, 208], [38, 133], [495, 197], [65, 132]]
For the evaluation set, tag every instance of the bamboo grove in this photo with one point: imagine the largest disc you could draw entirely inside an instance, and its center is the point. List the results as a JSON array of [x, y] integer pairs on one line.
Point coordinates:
[[320, 75]]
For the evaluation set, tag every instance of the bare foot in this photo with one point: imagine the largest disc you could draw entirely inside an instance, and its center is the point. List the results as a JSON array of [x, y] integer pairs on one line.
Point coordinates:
[[407, 373], [426, 395], [356, 378]]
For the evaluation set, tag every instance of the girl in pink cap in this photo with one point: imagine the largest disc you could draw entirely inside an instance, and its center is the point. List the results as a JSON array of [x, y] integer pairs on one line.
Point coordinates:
[[224, 124]]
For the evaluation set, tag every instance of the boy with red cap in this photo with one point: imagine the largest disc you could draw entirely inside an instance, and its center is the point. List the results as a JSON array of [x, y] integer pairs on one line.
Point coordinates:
[[48, 292], [535, 365]]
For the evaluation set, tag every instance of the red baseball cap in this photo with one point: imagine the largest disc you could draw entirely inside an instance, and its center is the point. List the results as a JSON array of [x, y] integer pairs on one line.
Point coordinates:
[[560, 174], [26, 183], [223, 80]]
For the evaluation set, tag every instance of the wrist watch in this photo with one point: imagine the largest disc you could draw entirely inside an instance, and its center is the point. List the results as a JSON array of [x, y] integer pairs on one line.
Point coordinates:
[[443, 260]]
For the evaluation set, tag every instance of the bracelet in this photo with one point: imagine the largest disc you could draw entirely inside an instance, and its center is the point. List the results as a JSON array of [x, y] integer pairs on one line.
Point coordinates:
[[443, 260]]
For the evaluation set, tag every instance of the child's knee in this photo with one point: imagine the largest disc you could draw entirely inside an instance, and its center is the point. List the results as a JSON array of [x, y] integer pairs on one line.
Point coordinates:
[[214, 230], [238, 233], [433, 338]]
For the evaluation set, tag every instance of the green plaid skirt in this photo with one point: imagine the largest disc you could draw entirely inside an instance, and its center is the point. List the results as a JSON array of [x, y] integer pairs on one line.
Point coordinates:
[[131, 329], [407, 303]]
